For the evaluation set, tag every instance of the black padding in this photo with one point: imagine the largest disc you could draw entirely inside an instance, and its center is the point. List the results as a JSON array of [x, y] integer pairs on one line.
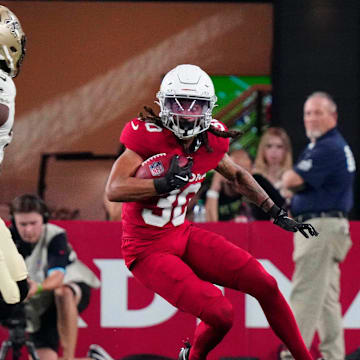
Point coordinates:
[[24, 289]]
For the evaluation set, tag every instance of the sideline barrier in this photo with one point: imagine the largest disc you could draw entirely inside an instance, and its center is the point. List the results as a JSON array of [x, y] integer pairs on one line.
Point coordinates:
[[125, 318]]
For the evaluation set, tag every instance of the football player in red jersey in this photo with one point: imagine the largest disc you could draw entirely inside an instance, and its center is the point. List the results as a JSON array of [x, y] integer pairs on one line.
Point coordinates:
[[164, 251]]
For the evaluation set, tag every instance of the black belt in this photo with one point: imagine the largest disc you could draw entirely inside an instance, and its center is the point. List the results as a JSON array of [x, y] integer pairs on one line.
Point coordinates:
[[322, 214]]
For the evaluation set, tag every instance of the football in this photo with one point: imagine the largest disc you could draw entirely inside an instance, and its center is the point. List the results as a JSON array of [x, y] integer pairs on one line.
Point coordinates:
[[157, 166]]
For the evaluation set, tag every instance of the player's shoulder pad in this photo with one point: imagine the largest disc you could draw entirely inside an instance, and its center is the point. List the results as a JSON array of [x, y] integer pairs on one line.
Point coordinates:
[[141, 136], [218, 143], [217, 124], [137, 127], [7, 88]]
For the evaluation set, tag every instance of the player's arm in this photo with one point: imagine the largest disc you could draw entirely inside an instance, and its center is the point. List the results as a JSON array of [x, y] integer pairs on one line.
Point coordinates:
[[243, 181], [122, 186], [247, 186]]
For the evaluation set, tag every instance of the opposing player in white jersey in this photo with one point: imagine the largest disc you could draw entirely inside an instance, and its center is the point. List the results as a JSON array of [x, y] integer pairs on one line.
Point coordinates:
[[13, 272]]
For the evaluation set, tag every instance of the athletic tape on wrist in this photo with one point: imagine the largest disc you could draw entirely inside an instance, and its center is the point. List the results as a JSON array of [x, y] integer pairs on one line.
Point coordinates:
[[212, 194]]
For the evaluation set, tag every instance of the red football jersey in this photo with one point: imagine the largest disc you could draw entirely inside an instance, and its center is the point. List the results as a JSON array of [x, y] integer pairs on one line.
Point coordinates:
[[152, 218]]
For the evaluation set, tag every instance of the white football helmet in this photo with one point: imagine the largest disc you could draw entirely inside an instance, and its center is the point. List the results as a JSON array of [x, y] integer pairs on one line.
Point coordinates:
[[186, 83], [12, 42]]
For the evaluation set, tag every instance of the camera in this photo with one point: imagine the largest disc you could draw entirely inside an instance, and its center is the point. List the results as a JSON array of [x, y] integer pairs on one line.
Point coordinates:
[[14, 319]]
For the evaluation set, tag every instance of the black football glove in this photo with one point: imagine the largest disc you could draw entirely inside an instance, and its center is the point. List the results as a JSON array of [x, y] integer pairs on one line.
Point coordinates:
[[281, 219], [175, 178]]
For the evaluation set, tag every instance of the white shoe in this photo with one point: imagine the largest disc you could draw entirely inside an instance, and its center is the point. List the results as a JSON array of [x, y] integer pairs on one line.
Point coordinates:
[[96, 352], [185, 351], [285, 354]]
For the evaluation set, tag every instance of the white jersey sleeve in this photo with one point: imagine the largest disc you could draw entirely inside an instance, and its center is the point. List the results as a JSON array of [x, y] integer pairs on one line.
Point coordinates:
[[7, 97]]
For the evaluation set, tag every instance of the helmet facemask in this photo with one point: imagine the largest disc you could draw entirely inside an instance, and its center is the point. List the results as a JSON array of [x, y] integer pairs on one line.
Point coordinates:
[[186, 117], [186, 100]]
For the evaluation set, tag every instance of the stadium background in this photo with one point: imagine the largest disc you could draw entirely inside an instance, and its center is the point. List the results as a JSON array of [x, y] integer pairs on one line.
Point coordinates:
[[92, 66]]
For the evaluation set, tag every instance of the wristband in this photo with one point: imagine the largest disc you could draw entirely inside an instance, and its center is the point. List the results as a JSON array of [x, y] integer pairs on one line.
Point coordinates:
[[212, 194], [39, 289], [274, 211]]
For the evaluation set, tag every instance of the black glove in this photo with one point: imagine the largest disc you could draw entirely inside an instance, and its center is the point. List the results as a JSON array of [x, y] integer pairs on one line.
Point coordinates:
[[281, 219], [175, 178]]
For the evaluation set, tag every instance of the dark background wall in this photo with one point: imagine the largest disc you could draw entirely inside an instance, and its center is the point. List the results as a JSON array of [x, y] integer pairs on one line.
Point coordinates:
[[317, 47], [91, 66]]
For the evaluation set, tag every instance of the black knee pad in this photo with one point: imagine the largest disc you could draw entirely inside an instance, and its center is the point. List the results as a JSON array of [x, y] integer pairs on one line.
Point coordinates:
[[23, 288]]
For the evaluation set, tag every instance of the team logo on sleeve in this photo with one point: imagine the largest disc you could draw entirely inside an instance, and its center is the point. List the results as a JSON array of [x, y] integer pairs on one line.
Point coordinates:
[[156, 168], [305, 165], [134, 126]]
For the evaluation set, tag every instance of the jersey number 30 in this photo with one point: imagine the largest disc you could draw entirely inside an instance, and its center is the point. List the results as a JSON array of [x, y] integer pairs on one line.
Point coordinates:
[[175, 215]]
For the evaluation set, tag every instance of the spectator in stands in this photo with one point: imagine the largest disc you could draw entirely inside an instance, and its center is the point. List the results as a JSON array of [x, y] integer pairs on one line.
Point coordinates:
[[322, 181], [223, 201], [60, 284], [273, 158]]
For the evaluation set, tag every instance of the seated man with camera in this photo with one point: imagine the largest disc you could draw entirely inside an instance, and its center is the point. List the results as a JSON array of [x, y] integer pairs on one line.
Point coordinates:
[[60, 284]]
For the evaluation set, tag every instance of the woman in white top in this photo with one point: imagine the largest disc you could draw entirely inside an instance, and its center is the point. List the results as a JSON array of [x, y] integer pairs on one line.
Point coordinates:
[[274, 157]]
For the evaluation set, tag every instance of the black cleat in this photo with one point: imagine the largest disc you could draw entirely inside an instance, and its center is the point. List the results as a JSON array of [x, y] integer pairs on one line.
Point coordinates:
[[185, 351]]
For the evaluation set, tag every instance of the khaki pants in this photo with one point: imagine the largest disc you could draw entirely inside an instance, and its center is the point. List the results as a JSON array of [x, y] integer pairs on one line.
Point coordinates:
[[316, 284], [12, 266]]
